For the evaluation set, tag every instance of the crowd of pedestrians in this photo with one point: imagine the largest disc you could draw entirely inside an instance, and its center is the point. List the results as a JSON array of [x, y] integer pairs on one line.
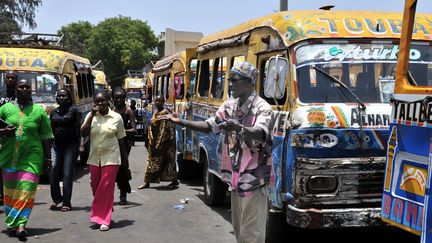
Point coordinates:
[[27, 134]]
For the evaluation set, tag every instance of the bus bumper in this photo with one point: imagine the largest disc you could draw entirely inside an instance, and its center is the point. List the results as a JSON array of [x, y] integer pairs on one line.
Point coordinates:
[[333, 218]]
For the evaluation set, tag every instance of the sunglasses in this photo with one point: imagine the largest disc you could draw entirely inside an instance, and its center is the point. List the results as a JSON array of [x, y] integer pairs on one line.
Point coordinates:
[[235, 79]]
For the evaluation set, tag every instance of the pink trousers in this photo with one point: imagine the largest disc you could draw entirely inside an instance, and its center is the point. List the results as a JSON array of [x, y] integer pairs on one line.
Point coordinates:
[[102, 180]]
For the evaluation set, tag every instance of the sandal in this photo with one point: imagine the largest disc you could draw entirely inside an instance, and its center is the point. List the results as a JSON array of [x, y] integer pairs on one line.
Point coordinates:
[[146, 185], [54, 206], [104, 227], [21, 232], [173, 184], [65, 208]]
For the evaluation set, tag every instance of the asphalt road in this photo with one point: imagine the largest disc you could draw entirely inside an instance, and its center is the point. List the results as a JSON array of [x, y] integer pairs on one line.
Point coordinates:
[[150, 217]]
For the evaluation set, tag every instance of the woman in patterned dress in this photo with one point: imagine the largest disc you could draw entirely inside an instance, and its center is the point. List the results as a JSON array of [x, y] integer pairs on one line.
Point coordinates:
[[161, 163], [24, 145]]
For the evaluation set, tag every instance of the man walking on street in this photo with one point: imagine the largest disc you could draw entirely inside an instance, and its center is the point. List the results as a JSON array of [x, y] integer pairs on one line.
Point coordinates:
[[245, 151]]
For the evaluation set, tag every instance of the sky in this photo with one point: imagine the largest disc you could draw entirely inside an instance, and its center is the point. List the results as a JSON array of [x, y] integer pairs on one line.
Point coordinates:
[[190, 15]]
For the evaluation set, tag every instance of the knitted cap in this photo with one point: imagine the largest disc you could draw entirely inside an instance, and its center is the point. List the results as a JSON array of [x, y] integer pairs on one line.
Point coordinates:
[[245, 69]]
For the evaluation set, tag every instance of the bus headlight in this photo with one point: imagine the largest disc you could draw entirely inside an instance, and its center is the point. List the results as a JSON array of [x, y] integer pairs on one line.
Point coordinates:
[[321, 184]]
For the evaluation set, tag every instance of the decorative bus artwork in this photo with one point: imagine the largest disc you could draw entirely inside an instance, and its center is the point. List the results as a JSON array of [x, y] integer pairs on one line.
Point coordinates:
[[407, 180]]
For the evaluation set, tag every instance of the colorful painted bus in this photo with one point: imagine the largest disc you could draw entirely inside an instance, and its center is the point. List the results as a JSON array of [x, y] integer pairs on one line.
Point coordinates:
[[100, 81], [174, 79], [329, 77], [42, 59], [406, 190], [134, 85], [48, 66]]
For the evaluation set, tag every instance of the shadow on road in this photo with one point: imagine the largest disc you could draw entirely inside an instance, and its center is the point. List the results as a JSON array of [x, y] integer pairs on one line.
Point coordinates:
[[41, 231], [196, 183], [224, 210], [86, 208], [122, 223], [129, 205]]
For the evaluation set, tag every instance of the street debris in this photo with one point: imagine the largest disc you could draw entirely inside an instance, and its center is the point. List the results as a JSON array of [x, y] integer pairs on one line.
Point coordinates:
[[179, 207], [184, 200]]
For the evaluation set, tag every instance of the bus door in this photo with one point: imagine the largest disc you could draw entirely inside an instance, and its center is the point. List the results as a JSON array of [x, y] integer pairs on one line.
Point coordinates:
[[407, 181], [187, 110]]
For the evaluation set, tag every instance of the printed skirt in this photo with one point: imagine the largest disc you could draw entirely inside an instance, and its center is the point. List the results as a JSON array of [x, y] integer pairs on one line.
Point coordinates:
[[19, 193]]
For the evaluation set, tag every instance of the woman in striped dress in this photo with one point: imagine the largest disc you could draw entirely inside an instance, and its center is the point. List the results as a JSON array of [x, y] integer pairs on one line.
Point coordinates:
[[25, 142]]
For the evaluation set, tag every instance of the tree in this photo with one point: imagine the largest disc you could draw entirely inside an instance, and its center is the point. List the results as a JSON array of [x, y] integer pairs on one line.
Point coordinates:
[[16, 12], [77, 35], [122, 44]]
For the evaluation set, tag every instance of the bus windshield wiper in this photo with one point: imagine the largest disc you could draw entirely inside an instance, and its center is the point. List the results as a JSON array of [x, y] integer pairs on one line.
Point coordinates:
[[360, 104], [335, 80]]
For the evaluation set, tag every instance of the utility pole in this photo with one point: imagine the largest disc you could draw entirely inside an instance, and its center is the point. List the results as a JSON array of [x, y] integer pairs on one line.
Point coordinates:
[[283, 6]]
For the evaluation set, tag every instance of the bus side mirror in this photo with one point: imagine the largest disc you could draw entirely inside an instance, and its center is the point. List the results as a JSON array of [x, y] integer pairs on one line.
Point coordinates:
[[274, 85]]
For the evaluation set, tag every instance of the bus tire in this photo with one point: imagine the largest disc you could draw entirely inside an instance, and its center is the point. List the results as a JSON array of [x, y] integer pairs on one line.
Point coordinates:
[[276, 227], [214, 189]]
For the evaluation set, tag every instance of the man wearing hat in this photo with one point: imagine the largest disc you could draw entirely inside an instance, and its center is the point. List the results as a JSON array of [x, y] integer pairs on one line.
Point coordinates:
[[244, 150]]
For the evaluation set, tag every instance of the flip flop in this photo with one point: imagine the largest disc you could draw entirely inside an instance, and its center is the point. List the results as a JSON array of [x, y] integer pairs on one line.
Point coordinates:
[[54, 206], [147, 185], [104, 227], [65, 208]]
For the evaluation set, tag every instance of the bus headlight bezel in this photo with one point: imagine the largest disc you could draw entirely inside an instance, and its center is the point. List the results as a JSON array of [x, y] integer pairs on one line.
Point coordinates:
[[322, 184]]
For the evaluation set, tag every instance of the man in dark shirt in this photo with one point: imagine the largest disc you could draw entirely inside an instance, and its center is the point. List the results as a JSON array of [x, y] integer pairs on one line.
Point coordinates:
[[7, 95]]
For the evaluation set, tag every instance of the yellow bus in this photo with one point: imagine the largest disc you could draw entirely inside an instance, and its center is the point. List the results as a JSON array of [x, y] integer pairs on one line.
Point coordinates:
[[100, 80], [407, 181], [134, 85], [48, 67], [171, 78], [174, 79], [329, 77]]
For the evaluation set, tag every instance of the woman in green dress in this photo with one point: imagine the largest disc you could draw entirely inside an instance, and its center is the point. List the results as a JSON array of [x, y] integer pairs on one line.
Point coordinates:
[[25, 144]]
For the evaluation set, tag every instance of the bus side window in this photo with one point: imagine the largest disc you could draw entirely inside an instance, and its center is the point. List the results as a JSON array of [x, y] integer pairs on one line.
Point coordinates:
[[193, 76], [179, 86], [162, 85], [156, 82], [84, 84], [90, 84], [167, 86], [80, 86], [204, 81], [218, 81]]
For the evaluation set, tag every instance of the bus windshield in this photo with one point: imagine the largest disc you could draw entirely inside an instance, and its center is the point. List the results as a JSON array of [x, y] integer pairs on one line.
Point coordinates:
[[99, 87], [44, 85], [368, 69], [134, 95]]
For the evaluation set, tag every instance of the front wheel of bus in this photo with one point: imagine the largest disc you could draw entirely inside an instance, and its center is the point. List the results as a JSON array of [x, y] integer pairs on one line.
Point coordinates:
[[214, 188]]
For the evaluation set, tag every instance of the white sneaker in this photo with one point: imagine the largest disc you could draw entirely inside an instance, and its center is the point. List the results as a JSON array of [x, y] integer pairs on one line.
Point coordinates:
[[104, 227]]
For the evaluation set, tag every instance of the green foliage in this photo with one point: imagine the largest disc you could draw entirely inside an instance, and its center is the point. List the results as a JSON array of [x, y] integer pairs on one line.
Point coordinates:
[[77, 35], [16, 12], [122, 44]]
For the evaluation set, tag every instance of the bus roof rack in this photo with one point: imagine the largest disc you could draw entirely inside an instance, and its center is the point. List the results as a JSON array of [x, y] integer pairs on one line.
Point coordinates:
[[136, 73], [37, 40]]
